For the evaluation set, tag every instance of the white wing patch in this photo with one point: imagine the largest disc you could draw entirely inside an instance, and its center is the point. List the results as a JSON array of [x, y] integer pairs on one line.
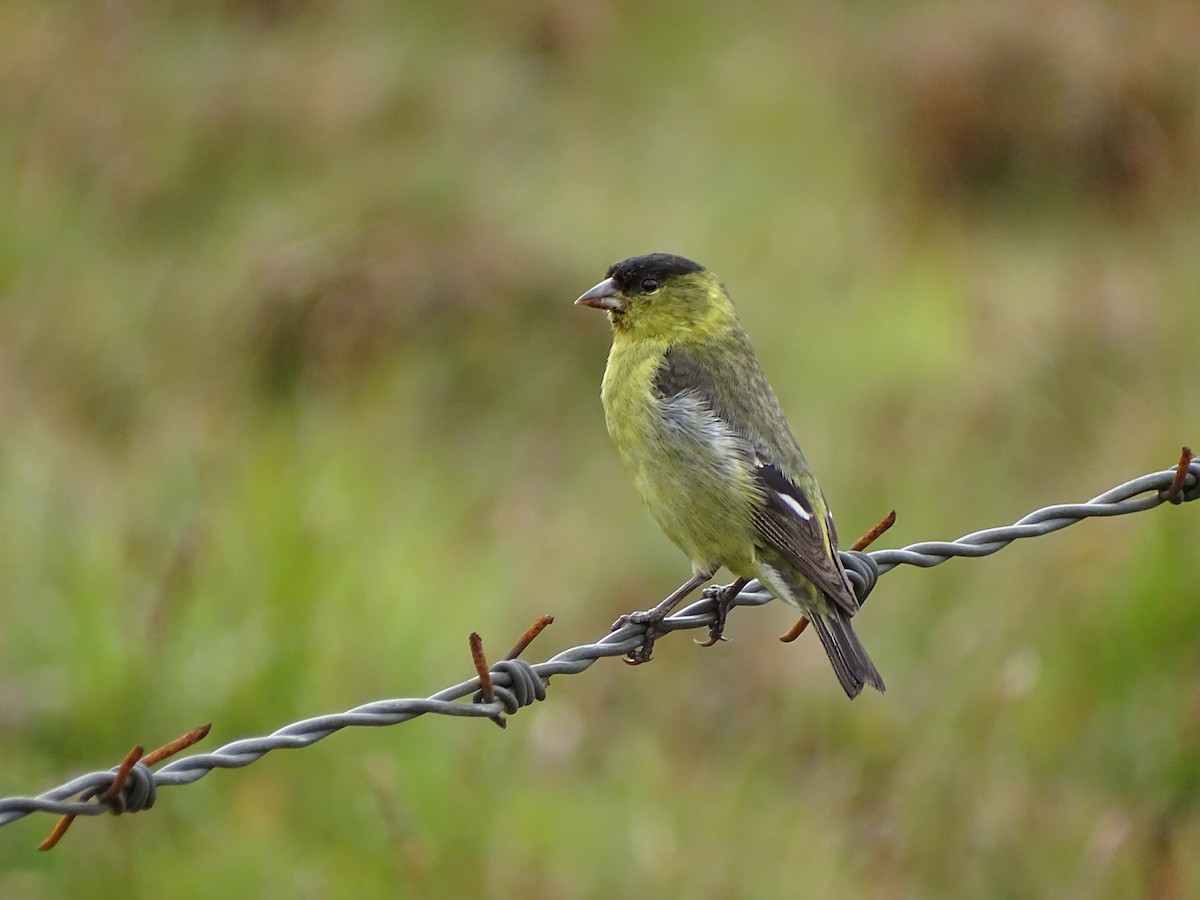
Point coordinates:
[[788, 500], [794, 506]]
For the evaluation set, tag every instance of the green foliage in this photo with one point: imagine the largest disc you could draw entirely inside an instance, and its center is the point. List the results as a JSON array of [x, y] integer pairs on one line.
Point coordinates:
[[294, 397]]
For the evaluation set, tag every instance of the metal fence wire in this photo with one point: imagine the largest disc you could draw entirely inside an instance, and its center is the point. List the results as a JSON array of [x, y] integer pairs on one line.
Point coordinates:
[[516, 683]]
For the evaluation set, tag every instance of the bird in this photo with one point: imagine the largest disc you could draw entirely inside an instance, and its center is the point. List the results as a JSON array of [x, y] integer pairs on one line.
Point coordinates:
[[697, 425]]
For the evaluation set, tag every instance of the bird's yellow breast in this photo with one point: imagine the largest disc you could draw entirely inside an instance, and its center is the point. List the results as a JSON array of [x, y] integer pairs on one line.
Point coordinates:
[[690, 469]]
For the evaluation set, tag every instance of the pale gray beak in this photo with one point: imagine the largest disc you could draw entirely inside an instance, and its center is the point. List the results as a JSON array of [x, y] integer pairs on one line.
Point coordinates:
[[603, 296]]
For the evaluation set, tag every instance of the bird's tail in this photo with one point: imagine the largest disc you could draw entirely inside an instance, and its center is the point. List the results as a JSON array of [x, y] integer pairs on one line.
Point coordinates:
[[850, 661]]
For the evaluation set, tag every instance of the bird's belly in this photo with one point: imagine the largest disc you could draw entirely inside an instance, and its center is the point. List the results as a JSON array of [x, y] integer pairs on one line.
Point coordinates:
[[702, 524], [698, 491]]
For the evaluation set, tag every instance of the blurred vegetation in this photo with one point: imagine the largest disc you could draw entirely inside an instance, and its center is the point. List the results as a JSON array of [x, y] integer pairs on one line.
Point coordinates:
[[293, 397]]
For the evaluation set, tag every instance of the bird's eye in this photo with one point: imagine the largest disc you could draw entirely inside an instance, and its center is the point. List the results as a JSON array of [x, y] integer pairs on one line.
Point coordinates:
[[649, 285]]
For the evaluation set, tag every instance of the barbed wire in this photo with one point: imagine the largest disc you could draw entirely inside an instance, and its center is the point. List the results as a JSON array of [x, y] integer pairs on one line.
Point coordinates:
[[515, 683]]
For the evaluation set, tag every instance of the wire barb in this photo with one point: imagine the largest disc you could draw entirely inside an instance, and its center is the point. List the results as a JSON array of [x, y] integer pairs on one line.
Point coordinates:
[[516, 683], [1174, 494], [487, 692], [539, 625], [112, 799], [481, 666], [524, 684], [876, 532]]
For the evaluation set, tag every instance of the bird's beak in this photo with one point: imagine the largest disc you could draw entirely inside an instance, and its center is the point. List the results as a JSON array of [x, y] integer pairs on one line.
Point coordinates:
[[603, 296]]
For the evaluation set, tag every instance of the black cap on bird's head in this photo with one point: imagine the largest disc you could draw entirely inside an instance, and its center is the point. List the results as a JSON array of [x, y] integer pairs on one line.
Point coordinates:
[[634, 276], [644, 274], [656, 294]]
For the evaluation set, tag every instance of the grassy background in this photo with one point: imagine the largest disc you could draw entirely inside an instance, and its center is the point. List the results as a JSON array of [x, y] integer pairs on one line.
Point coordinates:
[[293, 397]]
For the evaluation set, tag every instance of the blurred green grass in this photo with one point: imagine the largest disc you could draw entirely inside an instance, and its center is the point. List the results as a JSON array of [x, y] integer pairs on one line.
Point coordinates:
[[293, 398]]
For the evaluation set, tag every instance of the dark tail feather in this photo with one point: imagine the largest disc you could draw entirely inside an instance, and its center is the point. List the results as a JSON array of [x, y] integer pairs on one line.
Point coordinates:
[[850, 661]]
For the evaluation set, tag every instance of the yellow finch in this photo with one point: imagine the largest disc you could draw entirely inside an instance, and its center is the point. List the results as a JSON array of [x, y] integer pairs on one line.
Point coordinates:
[[698, 426]]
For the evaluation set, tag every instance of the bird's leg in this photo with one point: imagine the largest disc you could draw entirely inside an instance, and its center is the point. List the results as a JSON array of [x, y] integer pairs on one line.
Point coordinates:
[[652, 617], [725, 598]]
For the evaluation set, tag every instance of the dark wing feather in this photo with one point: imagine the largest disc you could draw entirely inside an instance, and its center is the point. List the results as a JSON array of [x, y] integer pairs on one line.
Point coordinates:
[[788, 523], [681, 372]]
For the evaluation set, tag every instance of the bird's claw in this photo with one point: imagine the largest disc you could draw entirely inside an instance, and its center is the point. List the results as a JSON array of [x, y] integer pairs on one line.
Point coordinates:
[[648, 618], [724, 597], [639, 656], [716, 631], [643, 653]]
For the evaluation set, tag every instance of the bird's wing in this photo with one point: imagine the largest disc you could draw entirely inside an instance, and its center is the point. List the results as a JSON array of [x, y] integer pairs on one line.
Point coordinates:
[[680, 371], [788, 523], [786, 520]]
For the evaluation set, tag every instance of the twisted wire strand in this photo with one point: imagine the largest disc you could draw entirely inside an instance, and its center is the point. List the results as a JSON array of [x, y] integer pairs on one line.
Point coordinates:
[[518, 683]]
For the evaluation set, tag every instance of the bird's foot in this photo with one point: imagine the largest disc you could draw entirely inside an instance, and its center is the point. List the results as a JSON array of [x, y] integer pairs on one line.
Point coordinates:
[[650, 618], [725, 597]]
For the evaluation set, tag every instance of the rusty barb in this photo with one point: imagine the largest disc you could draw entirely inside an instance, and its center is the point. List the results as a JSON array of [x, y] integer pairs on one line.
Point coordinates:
[[520, 672], [1174, 494], [114, 796]]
